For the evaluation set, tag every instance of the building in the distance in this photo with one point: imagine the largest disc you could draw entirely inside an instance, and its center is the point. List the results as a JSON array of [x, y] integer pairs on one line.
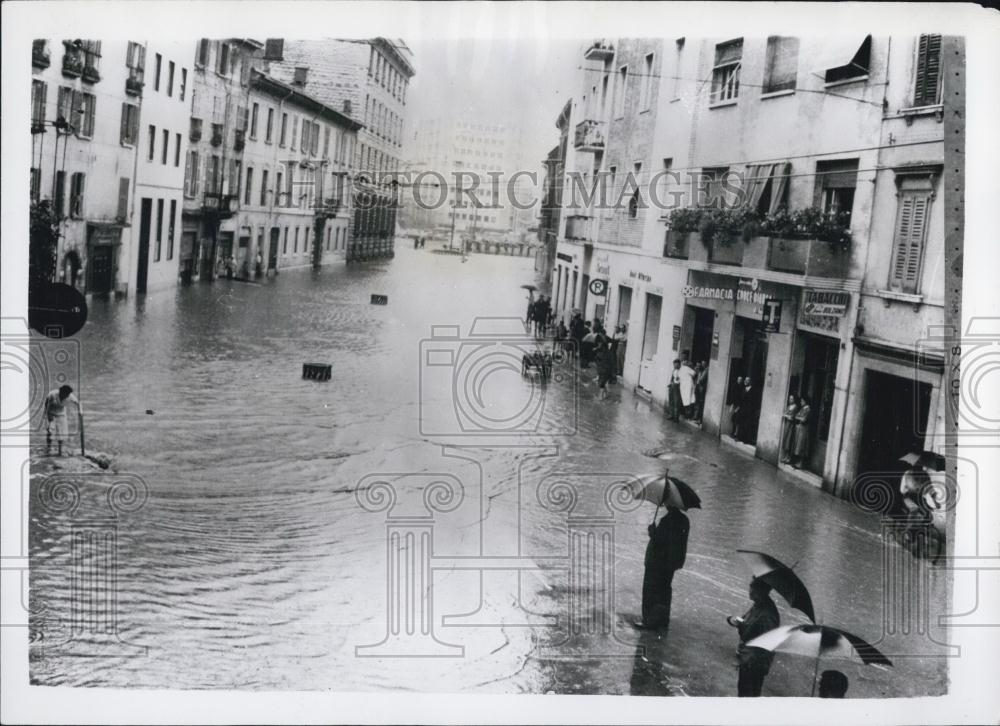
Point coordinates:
[[476, 158], [366, 80]]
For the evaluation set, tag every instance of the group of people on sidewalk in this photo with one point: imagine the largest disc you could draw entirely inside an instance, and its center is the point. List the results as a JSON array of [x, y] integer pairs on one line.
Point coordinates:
[[595, 346], [540, 315], [686, 395]]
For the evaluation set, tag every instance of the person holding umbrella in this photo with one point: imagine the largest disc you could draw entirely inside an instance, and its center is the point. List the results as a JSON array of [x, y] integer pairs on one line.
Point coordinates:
[[666, 550], [761, 618]]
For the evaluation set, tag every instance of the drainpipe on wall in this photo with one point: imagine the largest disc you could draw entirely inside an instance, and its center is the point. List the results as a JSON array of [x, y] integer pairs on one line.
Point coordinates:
[[857, 308]]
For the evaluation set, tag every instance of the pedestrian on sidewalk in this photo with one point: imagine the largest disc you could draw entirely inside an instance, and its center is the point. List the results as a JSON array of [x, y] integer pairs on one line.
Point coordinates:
[[665, 554], [788, 429], [800, 441], [576, 332], [700, 388], [686, 389], [587, 345], [760, 618], [55, 416], [622, 344], [605, 363], [736, 413], [674, 392]]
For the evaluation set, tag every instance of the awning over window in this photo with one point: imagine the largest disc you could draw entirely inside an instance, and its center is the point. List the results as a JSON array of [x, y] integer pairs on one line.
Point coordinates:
[[858, 65]]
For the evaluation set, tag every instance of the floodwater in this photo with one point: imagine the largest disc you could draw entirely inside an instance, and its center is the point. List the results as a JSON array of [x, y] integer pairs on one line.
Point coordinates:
[[505, 562]]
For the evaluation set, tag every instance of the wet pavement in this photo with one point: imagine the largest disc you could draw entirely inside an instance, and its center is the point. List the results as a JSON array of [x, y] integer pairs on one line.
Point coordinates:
[[252, 560]]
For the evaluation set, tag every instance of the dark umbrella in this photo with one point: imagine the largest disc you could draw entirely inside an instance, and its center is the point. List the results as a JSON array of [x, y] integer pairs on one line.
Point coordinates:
[[532, 288], [780, 577], [653, 488]]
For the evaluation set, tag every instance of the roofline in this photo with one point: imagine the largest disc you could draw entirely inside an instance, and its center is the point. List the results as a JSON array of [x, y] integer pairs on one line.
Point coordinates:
[[391, 48], [278, 89], [256, 44]]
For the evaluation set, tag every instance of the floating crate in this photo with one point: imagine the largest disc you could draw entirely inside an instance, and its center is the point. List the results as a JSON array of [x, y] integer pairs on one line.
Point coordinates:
[[317, 371], [380, 299]]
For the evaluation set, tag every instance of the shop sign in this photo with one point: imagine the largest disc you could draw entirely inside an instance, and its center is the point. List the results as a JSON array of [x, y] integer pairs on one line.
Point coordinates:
[[772, 316], [749, 291], [823, 303], [639, 276], [708, 292], [564, 257], [823, 311], [102, 235]]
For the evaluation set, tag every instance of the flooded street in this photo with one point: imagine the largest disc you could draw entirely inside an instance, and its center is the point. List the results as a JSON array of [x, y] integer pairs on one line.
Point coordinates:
[[253, 564]]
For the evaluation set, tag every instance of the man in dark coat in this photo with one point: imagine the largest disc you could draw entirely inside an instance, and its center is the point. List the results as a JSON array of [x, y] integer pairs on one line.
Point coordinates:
[[759, 619], [665, 554]]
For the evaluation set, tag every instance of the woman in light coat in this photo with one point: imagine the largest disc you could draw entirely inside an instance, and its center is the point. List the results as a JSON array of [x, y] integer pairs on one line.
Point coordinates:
[[800, 441]]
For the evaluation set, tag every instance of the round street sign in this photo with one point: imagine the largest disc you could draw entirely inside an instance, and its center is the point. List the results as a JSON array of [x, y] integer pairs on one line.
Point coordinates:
[[598, 287]]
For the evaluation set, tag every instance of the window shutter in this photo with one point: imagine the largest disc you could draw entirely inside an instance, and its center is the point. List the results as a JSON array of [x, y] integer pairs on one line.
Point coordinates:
[[911, 228], [315, 139], [928, 73], [89, 126], [123, 197], [124, 124]]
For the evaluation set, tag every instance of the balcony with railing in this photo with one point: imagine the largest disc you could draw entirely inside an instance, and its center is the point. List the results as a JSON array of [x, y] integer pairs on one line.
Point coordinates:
[[216, 135], [811, 257], [589, 136], [40, 57], [133, 86], [599, 50], [578, 228], [225, 205], [195, 133], [239, 140], [72, 61]]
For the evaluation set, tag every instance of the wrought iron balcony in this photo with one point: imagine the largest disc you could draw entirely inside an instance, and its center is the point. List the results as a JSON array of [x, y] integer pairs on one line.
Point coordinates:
[[91, 74], [72, 62], [40, 57], [578, 227], [600, 50], [239, 140], [589, 136], [133, 86], [195, 132], [225, 205], [216, 134]]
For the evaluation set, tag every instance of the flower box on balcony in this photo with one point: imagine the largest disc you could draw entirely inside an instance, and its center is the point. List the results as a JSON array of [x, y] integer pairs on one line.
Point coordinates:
[[40, 57], [91, 74], [133, 87], [72, 63], [812, 257], [676, 244], [726, 253]]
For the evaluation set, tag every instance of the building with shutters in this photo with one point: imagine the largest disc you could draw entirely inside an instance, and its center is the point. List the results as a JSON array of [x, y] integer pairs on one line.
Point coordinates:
[[808, 250], [366, 80]]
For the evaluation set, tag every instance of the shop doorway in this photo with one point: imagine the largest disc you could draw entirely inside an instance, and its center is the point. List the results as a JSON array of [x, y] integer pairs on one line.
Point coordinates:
[[145, 217], [624, 304], [894, 422], [650, 340], [187, 255], [101, 269], [816, 381], [701, 339], [272, 250], [243, 257], [748, 360]]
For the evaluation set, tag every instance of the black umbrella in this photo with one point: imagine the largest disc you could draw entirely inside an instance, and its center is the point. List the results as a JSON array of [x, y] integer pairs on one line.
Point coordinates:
[[654, 488], [780, 577]]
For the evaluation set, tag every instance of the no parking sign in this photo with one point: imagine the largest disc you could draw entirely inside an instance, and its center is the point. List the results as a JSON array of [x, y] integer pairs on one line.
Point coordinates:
[[598, 287]]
